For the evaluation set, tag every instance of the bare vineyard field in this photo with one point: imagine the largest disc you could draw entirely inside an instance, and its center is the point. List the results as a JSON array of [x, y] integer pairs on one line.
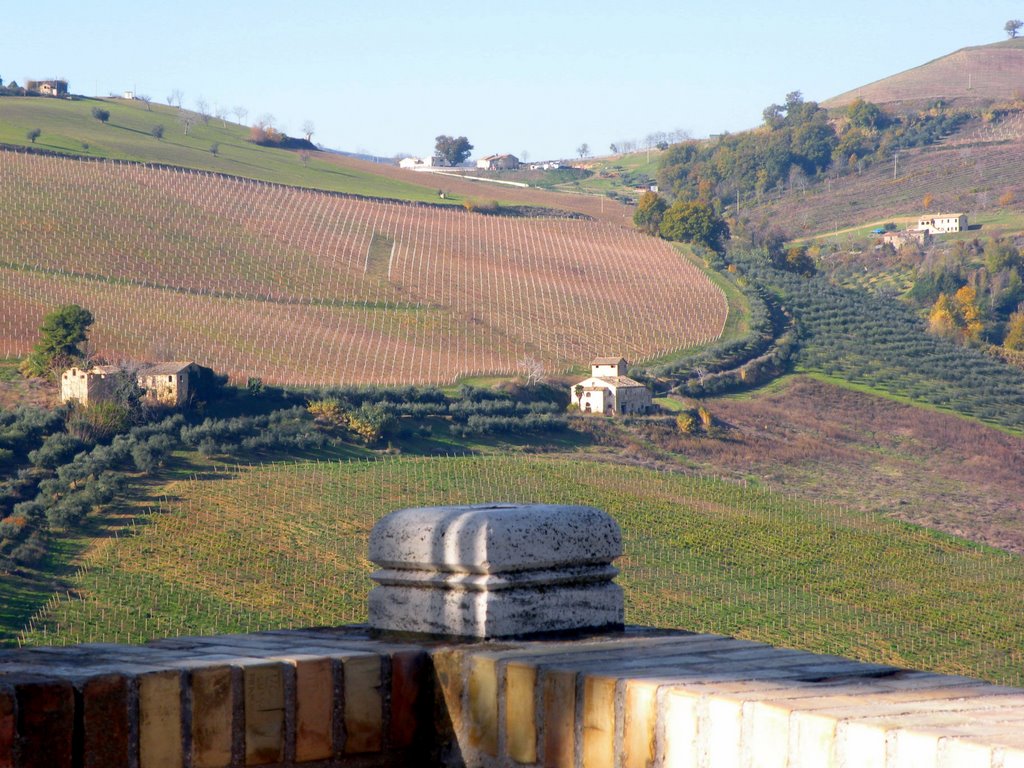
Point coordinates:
[[308, 288], [285, 546]]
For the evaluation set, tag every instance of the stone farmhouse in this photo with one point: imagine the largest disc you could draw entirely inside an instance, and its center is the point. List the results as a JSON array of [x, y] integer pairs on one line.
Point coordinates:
[[48, 87], [902, 237], [609, 390], [498, 163], [943, 223], [166, 384]]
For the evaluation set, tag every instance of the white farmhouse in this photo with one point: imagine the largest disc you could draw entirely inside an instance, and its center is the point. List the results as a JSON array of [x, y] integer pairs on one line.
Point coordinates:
[[609, 390], [943, 223]]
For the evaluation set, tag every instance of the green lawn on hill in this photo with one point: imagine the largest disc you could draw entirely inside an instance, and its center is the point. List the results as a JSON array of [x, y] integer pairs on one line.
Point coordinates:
[[68, 127]]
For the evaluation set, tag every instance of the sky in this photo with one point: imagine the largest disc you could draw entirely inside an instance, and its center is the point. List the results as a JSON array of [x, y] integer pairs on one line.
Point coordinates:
[[535, 77]]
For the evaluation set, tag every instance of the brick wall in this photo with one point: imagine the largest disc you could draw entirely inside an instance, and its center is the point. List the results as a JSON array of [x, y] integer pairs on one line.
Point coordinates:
[[339, 697]]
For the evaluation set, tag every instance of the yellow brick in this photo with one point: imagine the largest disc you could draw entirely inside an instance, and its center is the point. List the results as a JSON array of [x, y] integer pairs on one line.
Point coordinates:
[[160, 734], [682, 717], [521, 712], [558, 690], [314, 709], [483, 705], [211, 717], [598, 722], [641, 717], [364, 705], [264, 714], [447, 664]]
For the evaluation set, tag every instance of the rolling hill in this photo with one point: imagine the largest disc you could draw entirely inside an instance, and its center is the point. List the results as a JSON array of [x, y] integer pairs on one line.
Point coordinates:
[[285, 545], [971, 77], [307, 288]]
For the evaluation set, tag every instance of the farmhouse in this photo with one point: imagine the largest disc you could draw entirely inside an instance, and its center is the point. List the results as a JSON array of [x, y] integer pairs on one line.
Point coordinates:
[[900, 238], [48, 87], [167, 383], [87, 386], [164, 383], [421, 163], [943, 223], [498, 163], [610, 390]]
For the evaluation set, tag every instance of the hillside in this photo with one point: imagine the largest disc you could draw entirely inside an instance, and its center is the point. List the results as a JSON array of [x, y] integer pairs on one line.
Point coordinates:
[[307, 288], [971, 171], [68, 127], [971, 77], [285, 545]]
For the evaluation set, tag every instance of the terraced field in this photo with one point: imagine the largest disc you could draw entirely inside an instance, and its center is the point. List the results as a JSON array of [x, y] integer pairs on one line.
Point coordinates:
[[308, 288], [285, 545]]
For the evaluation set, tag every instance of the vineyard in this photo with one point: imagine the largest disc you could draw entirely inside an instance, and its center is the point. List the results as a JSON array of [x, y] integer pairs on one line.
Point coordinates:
[[308, 288], [285, 545], [869, 340]]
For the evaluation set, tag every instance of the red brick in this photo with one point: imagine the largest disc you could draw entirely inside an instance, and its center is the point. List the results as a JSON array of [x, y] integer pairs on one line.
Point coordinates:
[[409, 683], [106, 712], [46, 724], [7, 728]]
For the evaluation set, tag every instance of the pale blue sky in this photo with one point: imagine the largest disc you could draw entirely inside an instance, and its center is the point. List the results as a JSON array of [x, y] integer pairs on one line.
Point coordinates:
[[388, 76]]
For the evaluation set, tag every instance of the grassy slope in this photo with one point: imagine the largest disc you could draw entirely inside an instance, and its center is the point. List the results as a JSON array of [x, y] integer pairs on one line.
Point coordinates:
[[65, 125], [285, 546]]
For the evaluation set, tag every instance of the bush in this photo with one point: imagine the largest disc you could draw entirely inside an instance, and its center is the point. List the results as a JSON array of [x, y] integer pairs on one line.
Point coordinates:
[[98, 422]]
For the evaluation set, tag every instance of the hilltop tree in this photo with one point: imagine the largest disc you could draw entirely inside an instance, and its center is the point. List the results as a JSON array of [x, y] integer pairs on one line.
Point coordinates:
[[583, 150], [34, 134], [1012, 27], [103, 115], [147, 100], [59, 336], [308, 129], [452, 150]]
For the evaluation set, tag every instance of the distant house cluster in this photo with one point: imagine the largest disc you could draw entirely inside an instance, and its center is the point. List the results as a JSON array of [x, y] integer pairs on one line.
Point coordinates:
[[498, 163], [609, 390], [48, 87], [168, 384]]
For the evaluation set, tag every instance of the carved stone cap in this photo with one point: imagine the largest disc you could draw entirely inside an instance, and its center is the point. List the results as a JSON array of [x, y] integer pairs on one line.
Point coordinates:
[[495, 570], [494, 538]]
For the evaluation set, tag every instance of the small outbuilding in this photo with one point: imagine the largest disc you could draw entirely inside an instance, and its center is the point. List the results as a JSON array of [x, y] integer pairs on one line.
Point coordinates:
[[609, 390]]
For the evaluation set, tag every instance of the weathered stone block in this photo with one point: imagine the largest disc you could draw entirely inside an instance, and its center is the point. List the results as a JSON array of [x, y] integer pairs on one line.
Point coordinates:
[[160, 728], [364, 704], [495, 570], [640, 722], [598, 722], [521, 712], [264, 713], [106, 722], [482, 705], [410, 686], [558, 692], [46, 724], [212, 717], [314, 709]]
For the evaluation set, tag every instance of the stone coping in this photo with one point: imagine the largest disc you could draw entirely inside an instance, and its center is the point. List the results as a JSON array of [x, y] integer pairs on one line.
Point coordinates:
[[343, 697]]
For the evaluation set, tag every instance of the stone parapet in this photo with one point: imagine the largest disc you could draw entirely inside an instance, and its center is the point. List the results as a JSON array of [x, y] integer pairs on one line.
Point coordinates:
[[637, 697]]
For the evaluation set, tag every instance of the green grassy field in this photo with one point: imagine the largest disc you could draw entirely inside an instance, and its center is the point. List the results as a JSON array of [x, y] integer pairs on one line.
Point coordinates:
[[285, 545], [68, 127]]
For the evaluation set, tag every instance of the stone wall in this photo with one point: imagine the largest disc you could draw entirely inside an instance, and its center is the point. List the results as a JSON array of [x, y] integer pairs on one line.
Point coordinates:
[[341, 697]]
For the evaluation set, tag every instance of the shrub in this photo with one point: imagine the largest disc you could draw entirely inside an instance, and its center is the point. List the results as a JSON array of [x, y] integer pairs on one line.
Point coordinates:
[[98, 422]]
